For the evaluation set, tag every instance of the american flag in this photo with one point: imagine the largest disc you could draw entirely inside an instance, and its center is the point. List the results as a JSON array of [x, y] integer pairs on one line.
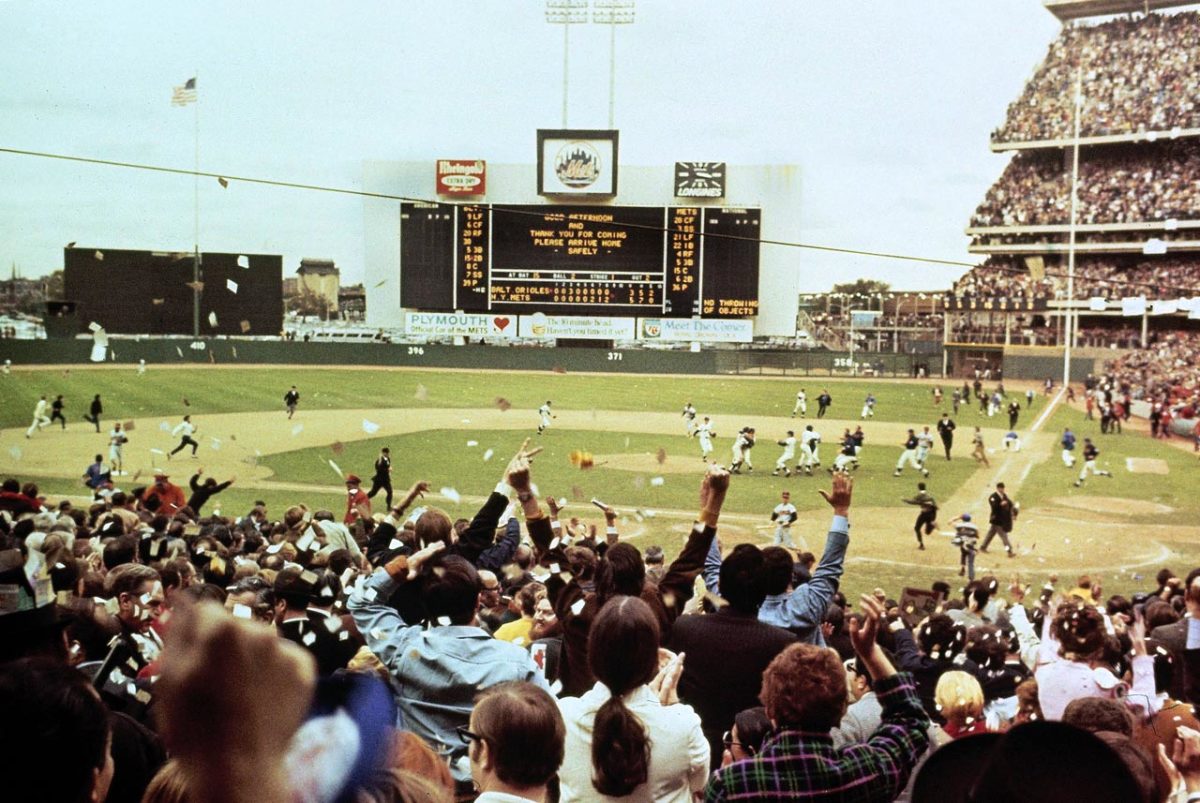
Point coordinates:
[[183, 95]]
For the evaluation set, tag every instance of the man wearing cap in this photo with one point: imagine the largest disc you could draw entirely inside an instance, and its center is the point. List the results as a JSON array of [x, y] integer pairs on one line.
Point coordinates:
[[382, 481], [169, 497], [358, 505], [331, 645], [966, 535]]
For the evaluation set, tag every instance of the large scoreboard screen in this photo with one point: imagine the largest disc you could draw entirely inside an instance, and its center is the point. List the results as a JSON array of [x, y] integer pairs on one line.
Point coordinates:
[[580, 260]]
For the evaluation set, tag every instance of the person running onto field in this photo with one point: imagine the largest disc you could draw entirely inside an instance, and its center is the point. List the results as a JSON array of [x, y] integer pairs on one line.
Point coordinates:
[[705, 433], [1014, 412], [1003, 512], [40, 421], [96, 409], [1090, 453], [945, 429], [810, 442], [383, 476], [784, 515], [185, 429], [546, 415], [290, 400], [823, 402], [1068, 448], [909, 456], [56, 411], [789, 453], [116, 439], [956, 400], [924, 444], [937, 395], [868, 410], [97, 476], [203, 491], [801, 404], [979, 451], [1028, 398], [966, 536], [689, 417], [927, 518]]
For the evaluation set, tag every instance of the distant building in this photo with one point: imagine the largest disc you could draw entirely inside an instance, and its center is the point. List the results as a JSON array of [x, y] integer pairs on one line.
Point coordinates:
[[321, 278]]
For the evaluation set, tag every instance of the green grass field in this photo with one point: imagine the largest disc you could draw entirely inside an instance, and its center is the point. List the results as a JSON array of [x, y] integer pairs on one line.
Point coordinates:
[[624, 421]]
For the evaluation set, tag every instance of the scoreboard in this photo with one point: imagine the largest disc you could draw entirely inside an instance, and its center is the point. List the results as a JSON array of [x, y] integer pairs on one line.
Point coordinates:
[[580, 260]]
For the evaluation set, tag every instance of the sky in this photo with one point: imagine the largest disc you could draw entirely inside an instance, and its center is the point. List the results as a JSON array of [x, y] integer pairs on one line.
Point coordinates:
[[885, 109]]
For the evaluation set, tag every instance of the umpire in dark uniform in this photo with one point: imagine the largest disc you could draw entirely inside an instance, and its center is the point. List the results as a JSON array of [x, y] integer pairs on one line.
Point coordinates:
[[383, 476], [945, 429], [1001, 519]]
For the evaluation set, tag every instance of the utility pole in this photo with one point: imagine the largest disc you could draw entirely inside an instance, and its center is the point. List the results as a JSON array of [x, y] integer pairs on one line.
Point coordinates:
[[613, 13], [566, 13]]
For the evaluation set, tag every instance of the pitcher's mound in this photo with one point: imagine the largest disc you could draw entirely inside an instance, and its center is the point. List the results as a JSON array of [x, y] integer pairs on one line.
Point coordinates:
[[1146, 465], [647, 463], [1117, 506]]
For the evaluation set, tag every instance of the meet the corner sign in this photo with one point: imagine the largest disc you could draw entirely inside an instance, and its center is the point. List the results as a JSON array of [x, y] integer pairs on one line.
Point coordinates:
[[699, 179], [461, 177]]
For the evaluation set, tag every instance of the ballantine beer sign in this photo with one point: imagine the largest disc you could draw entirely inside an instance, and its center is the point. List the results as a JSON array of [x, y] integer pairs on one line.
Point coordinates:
[[461, 176]]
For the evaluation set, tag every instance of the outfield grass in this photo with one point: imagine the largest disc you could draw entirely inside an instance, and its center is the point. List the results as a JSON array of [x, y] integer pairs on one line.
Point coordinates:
[[223, 390]]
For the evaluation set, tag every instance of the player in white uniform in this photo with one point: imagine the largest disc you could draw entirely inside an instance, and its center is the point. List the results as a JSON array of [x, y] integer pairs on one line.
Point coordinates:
[[924, 444], [801, 404], [789, 453], [868, 410], [689, 417], [810, 442], [546, 415], [116, 439], [40, 419], [741, 451], [705, 433], [783, 515], [909, 456]]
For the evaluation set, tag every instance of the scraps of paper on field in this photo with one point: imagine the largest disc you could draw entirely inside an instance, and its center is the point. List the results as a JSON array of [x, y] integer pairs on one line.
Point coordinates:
[[451, 494], [502, 404], [581, 459], [488, 454], [337, 469], [338, 447], [661, 457], [422, 392], [370, 427]]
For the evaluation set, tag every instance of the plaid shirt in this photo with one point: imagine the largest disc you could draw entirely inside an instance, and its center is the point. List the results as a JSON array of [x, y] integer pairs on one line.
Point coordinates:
[[796, 765]]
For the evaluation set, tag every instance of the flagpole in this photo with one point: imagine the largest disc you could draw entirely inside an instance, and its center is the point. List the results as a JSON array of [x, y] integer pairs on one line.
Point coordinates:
[[196, 218]]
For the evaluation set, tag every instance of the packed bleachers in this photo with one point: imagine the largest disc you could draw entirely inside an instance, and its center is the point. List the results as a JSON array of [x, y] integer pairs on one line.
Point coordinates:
[[1117, 184], [1110, 276], [1138, 75], [1166, 370]]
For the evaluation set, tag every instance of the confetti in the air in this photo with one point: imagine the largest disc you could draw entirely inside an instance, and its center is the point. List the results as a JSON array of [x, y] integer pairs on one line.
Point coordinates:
[[99, 255], [224, 182], [581, 459], [186, 403], [472, 443], [661, 457], [488, 454], [337, 469], [381, 284], [212, 320], [370, 427], [338, 447], [245, 327], [502, 404], [422, 393], [15, 453], [179, 351], [244, 262], [231, 285], [296, 430], [656, 481], [157, 451]]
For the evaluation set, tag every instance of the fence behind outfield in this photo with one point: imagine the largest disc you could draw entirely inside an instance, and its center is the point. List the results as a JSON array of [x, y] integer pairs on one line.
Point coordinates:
[[220, 351]]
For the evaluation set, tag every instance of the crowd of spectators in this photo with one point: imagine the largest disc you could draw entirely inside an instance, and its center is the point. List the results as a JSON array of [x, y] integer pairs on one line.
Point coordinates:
[[1166, 371], [1117, 184], [1111, 277], [526, 656], [1138, 75]]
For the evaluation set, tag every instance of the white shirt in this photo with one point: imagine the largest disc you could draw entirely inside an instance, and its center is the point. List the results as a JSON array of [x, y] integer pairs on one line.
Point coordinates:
[[810, 438], [784, 514], [789, 446], [184, 427], [544, 411], [689, 411], [679, 752], [704, 431], [925, 440], [40, 410], [801, 396]]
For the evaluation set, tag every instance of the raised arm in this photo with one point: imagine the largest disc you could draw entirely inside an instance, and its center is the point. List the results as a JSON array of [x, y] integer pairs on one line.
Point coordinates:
[[384, 629], [679, 581]]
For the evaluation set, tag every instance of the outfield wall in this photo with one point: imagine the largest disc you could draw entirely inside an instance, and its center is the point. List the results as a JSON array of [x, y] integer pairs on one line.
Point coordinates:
[[157, 351]]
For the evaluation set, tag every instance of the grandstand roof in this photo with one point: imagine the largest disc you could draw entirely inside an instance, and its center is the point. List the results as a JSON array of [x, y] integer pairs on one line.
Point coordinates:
[[1079, 9]]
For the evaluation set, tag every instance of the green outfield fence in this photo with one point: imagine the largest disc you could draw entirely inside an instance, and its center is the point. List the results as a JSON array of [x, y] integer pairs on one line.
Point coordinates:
[[636, 361]]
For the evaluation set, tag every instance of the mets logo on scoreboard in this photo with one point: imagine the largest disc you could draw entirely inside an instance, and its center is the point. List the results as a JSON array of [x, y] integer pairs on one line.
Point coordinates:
[[577, 164], [699, 179]]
